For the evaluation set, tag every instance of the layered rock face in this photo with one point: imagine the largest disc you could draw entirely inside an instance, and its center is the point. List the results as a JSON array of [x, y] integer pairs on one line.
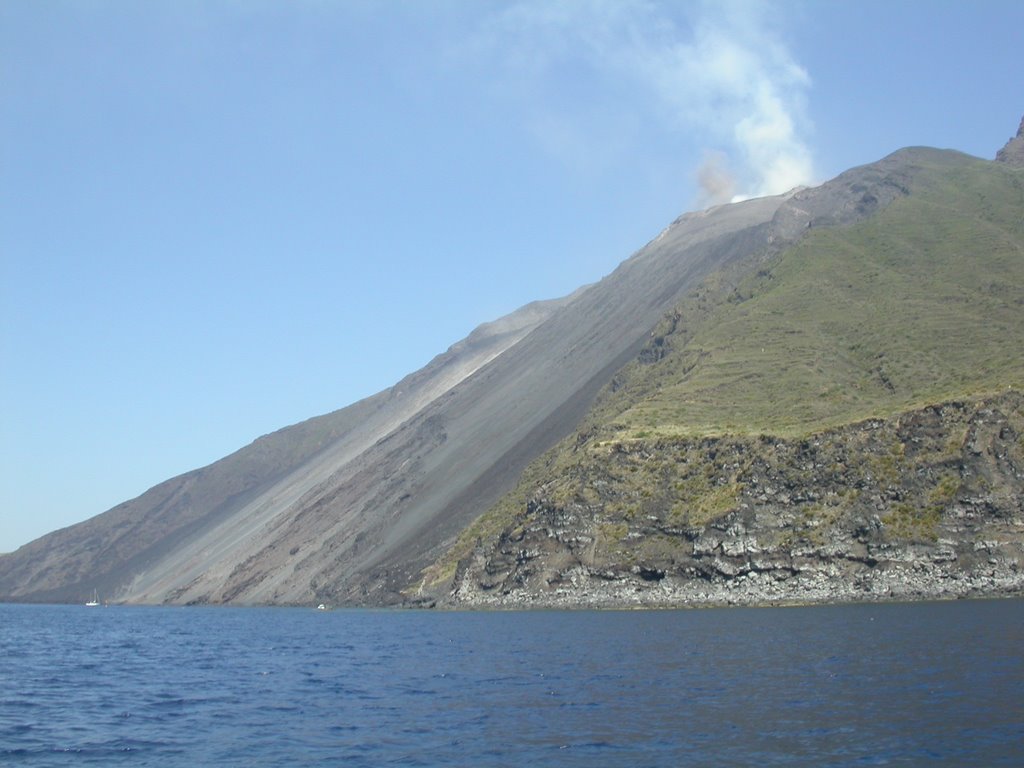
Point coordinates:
[[392, 500], [349, 507], [929, 504], [841, 423], [1013, 152]]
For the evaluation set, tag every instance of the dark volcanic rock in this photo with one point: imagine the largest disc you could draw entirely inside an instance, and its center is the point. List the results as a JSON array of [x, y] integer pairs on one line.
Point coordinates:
[[357, 516], [351, 507], [1013, 152], [929, 504]]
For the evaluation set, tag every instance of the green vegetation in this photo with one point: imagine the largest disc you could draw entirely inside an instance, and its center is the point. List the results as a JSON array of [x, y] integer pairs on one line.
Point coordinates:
[[907, 522], [945, 490], [556, 463], [699, 501], [920, 304]]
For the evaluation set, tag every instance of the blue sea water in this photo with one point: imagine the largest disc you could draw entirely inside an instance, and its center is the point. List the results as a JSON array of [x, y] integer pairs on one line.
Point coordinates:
[[936, 684]]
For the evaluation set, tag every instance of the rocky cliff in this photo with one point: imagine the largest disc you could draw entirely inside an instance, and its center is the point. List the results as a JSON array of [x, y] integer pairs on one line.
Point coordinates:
[[928, 504], [838, 421], [388, 484], [1013, 152], [807, 396]]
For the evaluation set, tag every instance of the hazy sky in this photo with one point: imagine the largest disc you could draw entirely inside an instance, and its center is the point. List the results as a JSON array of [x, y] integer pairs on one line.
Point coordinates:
[[220, 218]]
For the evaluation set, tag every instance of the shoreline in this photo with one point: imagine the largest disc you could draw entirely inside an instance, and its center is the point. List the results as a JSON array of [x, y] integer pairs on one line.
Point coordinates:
[[894, 584]]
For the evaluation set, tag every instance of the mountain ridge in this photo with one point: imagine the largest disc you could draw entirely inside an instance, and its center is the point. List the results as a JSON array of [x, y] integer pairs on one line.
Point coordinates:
[[1013, 152], [579, 531], [265, 461], [378, 503]]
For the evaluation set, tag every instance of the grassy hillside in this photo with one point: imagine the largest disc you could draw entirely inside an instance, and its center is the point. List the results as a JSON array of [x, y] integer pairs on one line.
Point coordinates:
[[921, 303]]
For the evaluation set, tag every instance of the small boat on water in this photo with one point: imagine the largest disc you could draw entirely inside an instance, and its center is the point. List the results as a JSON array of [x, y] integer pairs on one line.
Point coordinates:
[[94, 602]]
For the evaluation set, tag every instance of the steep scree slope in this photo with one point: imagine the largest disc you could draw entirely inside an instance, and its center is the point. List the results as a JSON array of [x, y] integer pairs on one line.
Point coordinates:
[[843, 420], [351, 507]]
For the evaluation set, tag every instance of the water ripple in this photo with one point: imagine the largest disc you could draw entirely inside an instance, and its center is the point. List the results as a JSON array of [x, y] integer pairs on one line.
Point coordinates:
[[941, 684]]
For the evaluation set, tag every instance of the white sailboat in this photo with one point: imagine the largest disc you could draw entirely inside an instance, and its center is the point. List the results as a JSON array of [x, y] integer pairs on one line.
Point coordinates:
[[94, 602]]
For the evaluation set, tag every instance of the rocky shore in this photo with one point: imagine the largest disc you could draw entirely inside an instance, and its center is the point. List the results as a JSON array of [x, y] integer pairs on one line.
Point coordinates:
[[925, 505], [915, 578]]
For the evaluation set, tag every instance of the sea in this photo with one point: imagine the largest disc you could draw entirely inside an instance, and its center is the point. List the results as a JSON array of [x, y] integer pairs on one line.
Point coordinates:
[[929, 684]]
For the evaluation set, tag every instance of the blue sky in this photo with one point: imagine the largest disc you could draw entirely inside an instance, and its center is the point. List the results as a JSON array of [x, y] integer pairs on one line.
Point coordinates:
[[220, 218]]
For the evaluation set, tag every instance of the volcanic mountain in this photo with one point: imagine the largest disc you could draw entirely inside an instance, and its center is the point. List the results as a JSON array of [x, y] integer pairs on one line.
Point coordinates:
[[594, 448]]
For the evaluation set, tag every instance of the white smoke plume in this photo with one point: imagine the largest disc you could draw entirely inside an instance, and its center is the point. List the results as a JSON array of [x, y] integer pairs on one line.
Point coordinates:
[[717, 73], [716, 181]]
